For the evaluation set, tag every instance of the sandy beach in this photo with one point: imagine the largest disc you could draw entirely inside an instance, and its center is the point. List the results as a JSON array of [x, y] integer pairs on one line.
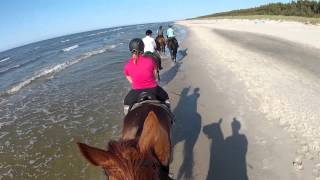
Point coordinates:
[[247, 101]]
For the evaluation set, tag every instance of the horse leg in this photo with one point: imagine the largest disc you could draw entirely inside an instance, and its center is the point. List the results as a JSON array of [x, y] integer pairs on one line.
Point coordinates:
[[175, 55], [171, 53], [158, 74]]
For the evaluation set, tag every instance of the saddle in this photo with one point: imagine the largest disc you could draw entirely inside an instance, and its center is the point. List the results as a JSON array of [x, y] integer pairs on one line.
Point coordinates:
[[149, 98], [145, 97], [174, 40]]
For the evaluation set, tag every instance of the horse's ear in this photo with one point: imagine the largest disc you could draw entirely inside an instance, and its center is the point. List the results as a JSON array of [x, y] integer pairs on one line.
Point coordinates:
[[155, 137], [95, 156]]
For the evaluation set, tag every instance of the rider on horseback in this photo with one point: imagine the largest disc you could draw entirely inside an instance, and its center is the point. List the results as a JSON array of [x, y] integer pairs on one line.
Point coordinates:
[[149, 42], [141, 73], [160, 32], [149, 48], [171, 35]]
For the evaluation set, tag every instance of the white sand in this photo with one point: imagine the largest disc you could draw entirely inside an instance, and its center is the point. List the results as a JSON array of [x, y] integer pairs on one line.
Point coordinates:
[[277, 103], [293, 31]]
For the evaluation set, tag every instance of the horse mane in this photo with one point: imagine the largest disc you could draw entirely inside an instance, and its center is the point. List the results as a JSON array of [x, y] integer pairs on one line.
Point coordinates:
[[130, 162], [142, 154]]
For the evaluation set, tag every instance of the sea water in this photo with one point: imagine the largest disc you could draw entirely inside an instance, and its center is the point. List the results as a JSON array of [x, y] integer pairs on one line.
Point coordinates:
[[60, 91]]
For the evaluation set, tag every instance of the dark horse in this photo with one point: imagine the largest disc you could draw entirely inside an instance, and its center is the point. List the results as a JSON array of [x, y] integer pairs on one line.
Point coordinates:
[[161, 44], [143, 152], [172, 44]]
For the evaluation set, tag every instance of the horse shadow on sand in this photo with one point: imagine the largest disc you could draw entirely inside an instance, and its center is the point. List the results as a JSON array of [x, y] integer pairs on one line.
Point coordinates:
[[186, 129], [168, 75], [227, 156]]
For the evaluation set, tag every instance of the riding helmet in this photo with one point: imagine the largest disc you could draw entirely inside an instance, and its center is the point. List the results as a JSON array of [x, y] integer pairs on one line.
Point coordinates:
[[148, 32], [136, 45]]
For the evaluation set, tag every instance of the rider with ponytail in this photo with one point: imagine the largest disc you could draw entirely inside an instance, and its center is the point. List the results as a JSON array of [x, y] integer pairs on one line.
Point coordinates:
[[141, 72]]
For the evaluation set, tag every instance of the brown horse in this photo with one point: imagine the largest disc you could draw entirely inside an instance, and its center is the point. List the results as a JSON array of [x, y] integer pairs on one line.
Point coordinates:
[[143, 152], [173, 45], [161, 44]]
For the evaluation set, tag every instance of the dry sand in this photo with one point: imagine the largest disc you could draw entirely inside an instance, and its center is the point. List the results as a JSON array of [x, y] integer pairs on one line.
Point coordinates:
[[246, 95]]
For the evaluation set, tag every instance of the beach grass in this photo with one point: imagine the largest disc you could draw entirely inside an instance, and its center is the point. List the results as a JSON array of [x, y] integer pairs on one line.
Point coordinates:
[[306, 20]]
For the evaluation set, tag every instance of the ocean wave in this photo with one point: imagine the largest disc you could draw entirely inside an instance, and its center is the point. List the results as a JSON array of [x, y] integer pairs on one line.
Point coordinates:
[[49, 72], [112, 46], [19, 66], [70, 48], [91, 35], [4, 59], [5, 123], [102, 32], [98, 33], [10, 69], [63, 41], [116, 29]]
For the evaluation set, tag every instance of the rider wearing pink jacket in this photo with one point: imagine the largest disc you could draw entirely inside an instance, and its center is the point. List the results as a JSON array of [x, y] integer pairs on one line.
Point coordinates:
[[141, 72]]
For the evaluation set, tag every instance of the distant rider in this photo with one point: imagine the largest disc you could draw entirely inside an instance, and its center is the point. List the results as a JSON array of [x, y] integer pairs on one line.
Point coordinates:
[[171, 35], [150, 48], [160, 31], [140, 71]]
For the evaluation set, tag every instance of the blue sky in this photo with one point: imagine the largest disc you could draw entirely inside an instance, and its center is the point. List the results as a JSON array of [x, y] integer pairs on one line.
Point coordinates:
[[26, 21]]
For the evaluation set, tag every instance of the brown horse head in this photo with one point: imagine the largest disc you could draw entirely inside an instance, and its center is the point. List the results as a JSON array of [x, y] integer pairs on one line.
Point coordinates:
[[123, 161], [144, 157]]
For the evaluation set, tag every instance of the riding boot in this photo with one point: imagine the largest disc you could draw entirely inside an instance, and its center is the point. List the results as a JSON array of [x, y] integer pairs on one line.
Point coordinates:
[[126, 109], [167, 102]]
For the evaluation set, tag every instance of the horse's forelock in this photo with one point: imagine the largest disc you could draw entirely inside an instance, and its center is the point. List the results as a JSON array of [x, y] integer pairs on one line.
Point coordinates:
[[130, 162]]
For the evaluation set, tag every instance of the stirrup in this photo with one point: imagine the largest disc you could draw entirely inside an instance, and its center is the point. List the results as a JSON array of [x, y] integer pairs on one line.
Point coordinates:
[[167, 102], [171, 176], [126, 109]]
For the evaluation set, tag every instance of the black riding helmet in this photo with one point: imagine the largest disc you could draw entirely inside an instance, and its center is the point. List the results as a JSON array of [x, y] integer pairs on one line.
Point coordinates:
[[148, 32], [136, 45]]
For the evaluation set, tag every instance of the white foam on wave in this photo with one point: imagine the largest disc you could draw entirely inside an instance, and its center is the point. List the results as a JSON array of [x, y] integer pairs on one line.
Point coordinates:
[[10, 68], [91, 35], [98, 33], [117, 29], [5, 59], [5, 123], [70, 48], [102, 32], [63, 41], [49, 72], [112, 46]]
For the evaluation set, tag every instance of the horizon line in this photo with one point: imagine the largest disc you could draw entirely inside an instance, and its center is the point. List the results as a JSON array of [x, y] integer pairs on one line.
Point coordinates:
[[72, 33]]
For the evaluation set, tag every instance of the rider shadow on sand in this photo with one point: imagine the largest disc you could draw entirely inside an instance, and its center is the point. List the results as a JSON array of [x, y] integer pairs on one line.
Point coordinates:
[[168, 75], [187, 129], [227, 156]]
